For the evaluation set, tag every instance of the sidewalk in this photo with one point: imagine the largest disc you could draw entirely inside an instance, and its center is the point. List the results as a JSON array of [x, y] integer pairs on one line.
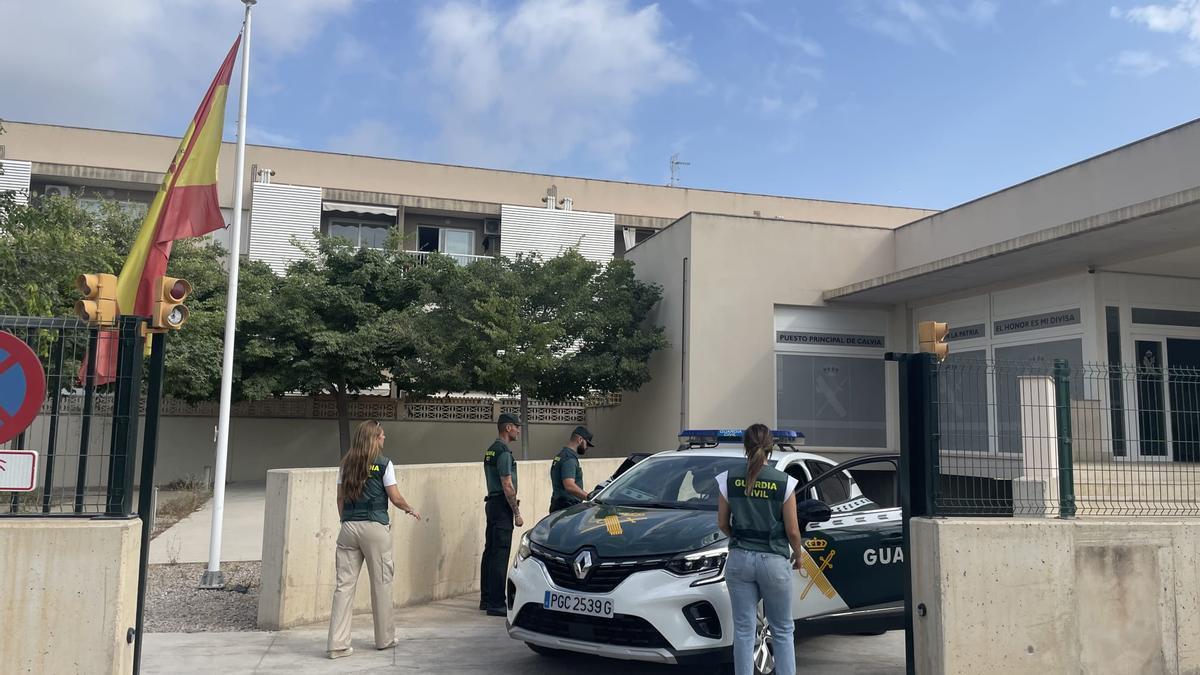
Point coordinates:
[[241, 535], [453, 636]]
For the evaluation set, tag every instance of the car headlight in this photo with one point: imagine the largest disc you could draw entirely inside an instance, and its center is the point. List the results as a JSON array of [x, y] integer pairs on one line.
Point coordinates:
[[523, 549], [708, 563]]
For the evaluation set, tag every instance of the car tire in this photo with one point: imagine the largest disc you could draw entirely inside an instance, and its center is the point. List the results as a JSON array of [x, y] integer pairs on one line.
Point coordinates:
[[545, 651]]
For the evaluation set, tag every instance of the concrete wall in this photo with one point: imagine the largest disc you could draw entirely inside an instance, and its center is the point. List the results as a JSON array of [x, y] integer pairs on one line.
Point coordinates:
[[147, 153], [744, 268], [1157, 166], [1054, 596], [435, 558], [69, 595], [650, 419]]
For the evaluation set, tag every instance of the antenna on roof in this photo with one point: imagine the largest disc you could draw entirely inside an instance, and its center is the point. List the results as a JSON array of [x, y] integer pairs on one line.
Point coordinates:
[[675, 164]]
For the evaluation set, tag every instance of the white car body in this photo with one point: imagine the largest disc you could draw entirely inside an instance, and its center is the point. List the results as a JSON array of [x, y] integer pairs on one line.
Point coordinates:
[[658, 597]]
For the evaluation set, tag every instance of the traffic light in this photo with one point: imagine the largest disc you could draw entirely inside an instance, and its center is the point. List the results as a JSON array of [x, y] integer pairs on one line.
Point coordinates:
[[99, 303], [169, 310], [932, 335]]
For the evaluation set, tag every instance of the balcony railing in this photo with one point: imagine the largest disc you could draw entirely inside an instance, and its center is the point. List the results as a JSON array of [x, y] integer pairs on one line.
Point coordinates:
[[461, 258]]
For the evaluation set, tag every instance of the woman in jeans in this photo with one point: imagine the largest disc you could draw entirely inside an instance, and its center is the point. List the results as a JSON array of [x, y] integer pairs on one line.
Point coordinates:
[[366, 483], [757, 510]]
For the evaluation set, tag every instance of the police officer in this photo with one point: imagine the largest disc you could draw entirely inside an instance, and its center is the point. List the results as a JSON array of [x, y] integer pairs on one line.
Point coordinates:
[[566, 476], [503, 512]]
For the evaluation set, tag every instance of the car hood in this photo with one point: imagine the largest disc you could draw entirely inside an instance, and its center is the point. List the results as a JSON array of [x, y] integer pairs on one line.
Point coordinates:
[[625, 531]]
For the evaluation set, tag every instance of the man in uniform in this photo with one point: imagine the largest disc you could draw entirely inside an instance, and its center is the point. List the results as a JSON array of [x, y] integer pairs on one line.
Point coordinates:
[[566, 476], [502, 509]]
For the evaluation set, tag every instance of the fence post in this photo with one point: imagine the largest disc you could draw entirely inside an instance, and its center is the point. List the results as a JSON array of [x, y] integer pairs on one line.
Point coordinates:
[[148, 495], [85, 431], [123, 447], [918, 465], [1062, 406]]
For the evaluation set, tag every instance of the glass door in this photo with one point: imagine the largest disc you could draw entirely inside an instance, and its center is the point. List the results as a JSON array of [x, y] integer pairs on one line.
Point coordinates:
[[1151, 403], [459, 244], [1183, 388]]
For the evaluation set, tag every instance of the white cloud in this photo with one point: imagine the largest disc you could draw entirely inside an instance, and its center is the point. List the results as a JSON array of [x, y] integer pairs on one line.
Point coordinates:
[[263, 136], [785, 38], [541, 81], [1139, 63], [915, 21], [127, 63], [371, 137], [1181, 17]]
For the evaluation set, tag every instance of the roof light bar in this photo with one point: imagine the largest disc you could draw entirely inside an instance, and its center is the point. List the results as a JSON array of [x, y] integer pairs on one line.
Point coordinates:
[[734, 435]]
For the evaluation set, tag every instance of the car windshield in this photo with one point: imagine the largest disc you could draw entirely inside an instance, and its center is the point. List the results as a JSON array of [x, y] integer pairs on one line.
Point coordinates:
[[675, 481]]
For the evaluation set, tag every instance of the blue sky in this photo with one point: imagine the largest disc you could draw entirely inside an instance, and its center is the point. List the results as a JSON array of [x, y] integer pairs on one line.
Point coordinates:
[[923, 103]]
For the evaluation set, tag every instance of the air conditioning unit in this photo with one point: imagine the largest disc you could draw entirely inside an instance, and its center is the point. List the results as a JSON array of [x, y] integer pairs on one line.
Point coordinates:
[[491, 226], [57, 191]]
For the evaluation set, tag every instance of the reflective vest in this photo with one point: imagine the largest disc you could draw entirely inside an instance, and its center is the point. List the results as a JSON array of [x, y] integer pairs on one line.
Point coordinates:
[[757, 518], [372, 503]]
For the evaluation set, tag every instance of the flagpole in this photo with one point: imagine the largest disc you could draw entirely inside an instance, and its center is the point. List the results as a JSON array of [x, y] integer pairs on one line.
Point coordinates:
[[213, 577]]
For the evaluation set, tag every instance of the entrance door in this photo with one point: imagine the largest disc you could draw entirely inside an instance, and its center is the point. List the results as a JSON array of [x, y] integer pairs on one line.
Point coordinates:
[[1183, 387]]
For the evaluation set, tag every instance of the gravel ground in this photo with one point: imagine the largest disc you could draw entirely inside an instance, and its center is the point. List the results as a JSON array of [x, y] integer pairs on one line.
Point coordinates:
[[176, 604]]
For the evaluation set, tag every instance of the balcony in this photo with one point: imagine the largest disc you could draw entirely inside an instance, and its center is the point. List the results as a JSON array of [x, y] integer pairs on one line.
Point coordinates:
[[461, 258]]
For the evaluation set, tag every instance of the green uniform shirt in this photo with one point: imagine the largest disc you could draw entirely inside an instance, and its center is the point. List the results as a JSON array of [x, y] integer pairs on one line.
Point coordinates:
[[565, 465], [498, 462], [757, 518], [372, 503]]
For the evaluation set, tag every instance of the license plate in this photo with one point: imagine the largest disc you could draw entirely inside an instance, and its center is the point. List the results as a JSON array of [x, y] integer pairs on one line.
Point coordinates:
[[578, 604]]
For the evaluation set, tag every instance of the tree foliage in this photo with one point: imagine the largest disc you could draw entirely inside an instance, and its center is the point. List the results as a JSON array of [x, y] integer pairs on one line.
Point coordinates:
[[342, 319], [45, 244]]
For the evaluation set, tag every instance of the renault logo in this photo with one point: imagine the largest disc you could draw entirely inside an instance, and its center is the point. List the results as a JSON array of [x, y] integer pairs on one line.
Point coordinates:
[[583, 564]]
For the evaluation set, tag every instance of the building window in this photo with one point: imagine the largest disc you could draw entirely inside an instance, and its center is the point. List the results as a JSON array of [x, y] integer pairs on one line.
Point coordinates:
[[835, 401], [963, 402], [364, 234], [451, 241], [1116, 393], [1035, 359]]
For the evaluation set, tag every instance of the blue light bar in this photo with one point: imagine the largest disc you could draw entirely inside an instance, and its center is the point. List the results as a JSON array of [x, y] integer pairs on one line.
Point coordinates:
[[734, 435]]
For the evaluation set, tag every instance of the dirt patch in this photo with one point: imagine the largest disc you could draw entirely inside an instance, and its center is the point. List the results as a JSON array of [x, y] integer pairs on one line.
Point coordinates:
[[176, 604]]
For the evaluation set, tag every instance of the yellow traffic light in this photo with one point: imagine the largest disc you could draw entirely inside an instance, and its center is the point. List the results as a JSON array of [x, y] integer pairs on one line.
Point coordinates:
[[99, 303], [932, 335], [169, 310]]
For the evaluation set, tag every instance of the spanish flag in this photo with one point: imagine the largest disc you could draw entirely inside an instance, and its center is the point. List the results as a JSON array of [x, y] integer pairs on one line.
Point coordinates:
[[186, 206]]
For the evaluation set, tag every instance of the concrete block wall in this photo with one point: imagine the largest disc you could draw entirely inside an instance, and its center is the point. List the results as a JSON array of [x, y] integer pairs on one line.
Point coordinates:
[[435, 558], [69, 594], [1056, 596]]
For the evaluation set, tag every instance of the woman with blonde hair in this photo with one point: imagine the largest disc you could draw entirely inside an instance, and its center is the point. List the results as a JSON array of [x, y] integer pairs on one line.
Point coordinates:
[[757, 510], [366, 483]]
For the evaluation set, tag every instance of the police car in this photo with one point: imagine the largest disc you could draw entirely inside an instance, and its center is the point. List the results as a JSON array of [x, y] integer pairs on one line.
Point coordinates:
[[637, 572]]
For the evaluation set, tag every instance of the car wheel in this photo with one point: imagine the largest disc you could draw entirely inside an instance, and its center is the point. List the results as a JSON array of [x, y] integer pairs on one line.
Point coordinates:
[[764, 646], [544, 651]]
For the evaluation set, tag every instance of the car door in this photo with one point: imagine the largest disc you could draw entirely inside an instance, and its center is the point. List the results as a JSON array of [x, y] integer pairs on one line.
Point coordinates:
[[854, 560]]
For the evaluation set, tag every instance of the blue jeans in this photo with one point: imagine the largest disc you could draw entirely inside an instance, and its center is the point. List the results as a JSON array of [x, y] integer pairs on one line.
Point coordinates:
[[752, 576]]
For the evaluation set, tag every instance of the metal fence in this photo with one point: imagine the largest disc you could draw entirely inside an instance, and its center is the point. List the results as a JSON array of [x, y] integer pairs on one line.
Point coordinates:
[[85, 451], [1048, 438]]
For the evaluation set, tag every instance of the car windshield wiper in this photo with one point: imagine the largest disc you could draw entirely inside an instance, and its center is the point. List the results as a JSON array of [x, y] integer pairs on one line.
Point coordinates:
[[660, 505]]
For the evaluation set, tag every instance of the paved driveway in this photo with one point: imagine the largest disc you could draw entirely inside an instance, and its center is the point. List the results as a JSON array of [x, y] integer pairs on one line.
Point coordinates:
[[453, 636]]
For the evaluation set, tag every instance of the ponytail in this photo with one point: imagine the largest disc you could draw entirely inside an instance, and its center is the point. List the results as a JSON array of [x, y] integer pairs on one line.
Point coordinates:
[[758, 442]]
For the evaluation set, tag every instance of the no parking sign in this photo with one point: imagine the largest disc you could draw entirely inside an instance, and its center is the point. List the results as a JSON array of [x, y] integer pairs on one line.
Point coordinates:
[[22, 386]]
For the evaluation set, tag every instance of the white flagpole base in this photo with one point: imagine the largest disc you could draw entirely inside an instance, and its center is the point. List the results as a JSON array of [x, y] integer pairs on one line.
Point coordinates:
[[213, 581]]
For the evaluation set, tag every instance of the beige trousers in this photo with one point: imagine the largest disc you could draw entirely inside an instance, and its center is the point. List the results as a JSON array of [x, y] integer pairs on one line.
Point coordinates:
[[358, 542]]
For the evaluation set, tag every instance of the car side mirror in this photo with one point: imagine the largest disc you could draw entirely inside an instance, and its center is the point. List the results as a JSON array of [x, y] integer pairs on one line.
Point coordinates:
[[813, 511]]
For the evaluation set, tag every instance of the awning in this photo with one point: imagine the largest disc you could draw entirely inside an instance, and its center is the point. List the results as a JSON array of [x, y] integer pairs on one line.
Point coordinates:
[[359, 208], [1150, 228]]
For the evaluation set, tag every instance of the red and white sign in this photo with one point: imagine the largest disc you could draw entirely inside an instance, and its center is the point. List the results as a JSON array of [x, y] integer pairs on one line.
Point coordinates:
[[18, 470]]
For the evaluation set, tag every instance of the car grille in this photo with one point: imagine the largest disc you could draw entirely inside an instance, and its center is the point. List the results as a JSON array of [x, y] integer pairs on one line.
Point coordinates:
[[606, 575], [622, 630]]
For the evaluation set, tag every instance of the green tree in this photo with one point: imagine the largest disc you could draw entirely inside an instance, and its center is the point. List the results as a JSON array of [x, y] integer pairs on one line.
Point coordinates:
[[342, 321], [559, 329], [46, 243]]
